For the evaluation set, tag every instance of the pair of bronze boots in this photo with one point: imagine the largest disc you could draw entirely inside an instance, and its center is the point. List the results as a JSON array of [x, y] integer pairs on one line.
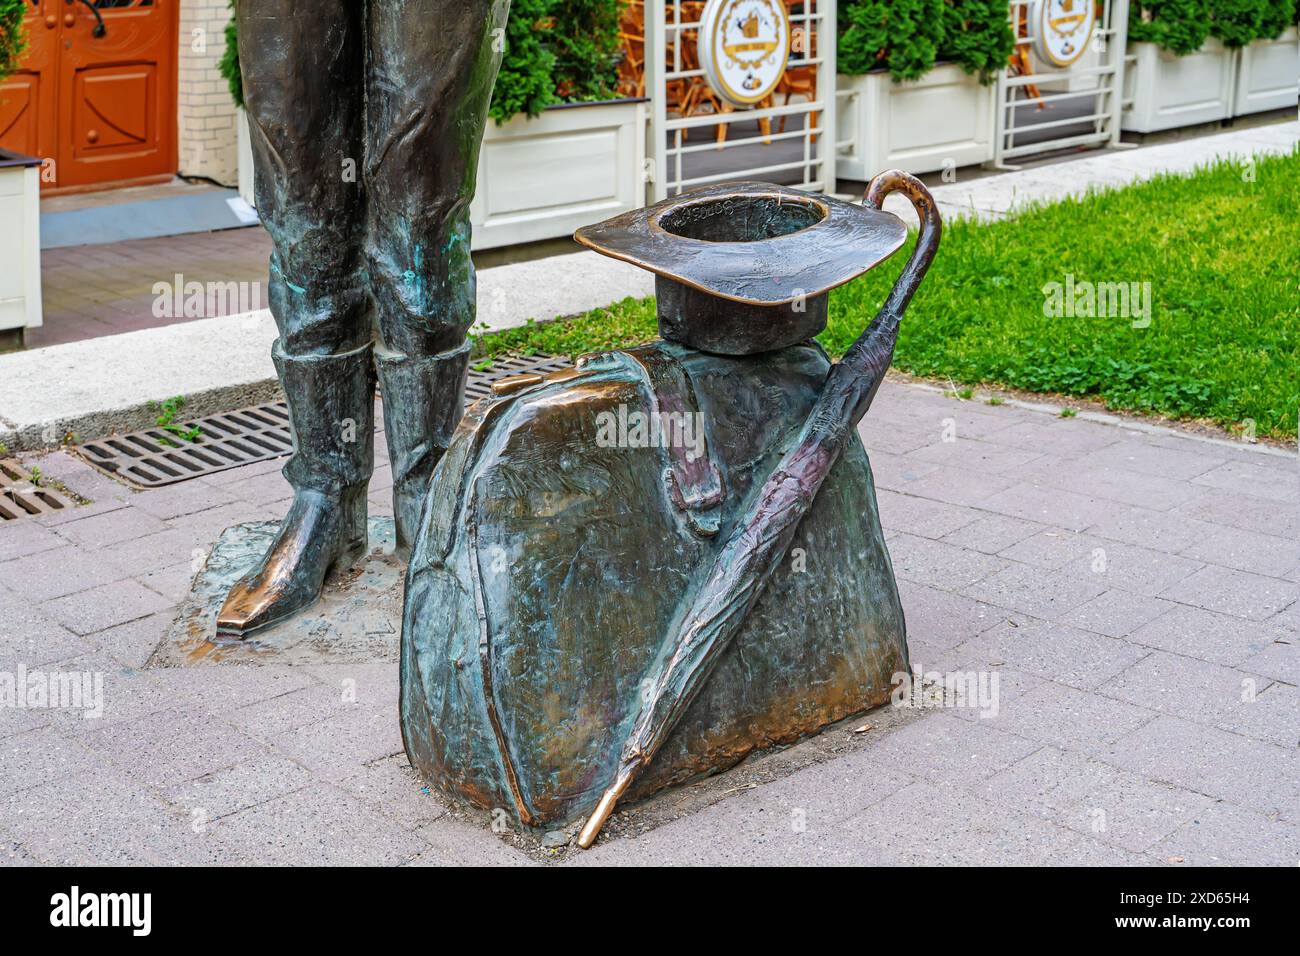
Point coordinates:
[[331, 409]]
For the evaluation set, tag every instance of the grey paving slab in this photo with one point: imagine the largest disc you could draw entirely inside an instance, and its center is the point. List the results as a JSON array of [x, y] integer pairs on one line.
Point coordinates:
[[1254, 479], [1279, 661], [975, 455], [1264, 554], [40, 757], [1211, 694], [25, 538], [1150, 529], [258, 779], [1057, 652], [1249, 773], [1069, 718], [124, 825], [106, 606], [1227, 835], [1235, 510], [920, 516], [938, 565], [1117, 613], [1048, 505], [1038, 592], [1137, 570], [394, 788], [176, 501], [1052, 548], [941, 620], [1141, 456], [1195, 632], [59, 572], [959, 487], [316, 826], [1084, 476], [944, 748], [171, 747], [333, 749], [123, 524], [453, 842], [1238, 593], [992, 533]]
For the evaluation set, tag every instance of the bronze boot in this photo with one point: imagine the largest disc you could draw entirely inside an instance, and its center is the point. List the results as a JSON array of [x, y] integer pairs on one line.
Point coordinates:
[[423, 402], [331, 407]]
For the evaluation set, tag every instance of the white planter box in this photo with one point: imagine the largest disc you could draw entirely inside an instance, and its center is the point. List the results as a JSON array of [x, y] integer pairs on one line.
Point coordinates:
[[943, 119], [245, 160], [20, 242], [1268, 75], [1165, 90], [572, 166]]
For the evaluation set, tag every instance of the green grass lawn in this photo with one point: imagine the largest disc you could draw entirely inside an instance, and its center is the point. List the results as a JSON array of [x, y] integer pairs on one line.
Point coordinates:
[[1220, 249]]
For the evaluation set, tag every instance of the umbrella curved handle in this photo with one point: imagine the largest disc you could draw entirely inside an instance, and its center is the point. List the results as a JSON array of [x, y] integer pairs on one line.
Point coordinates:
[[927, 242]]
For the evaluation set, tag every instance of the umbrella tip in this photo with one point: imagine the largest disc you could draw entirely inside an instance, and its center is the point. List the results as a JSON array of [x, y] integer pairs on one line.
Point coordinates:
[[605, 808]]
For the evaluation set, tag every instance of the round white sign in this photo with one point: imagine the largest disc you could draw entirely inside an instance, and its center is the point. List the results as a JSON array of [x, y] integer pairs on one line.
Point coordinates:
[[1062, 29], [744, 46]]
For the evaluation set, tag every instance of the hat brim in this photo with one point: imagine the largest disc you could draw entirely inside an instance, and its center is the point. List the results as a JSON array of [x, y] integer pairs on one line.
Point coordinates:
[[845, 242]]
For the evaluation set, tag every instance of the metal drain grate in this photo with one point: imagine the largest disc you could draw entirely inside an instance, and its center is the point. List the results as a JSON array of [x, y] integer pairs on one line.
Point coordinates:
[[155, 456], [21, 495]]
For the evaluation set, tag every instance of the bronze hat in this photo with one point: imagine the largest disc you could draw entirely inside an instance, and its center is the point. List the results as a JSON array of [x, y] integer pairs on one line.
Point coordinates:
[[749, 242]]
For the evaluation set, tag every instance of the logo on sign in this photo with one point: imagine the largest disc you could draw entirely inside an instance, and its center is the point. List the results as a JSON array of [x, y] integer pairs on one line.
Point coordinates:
[[744, 46], [1063, 29]]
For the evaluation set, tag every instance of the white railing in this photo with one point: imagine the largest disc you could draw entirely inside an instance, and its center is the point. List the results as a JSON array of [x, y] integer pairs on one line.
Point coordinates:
[[1109, 40], [679, 146]]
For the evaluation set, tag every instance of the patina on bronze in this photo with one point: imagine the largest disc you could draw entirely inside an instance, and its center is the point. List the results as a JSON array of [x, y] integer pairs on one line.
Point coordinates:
[[588, 617], [366, 118]]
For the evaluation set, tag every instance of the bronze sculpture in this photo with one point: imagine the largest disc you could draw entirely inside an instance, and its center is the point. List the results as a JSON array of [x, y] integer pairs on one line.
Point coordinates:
[[366, 118], [586, 617]]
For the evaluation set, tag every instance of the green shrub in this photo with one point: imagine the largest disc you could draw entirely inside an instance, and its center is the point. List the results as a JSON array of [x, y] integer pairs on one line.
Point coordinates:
[[1182, 26], [229, 63], [1276, 17], [901, 35], [1236, 22], [586, 44], [908, 37], [977, 36], [13, 38], [525, 83], [1179, 26]]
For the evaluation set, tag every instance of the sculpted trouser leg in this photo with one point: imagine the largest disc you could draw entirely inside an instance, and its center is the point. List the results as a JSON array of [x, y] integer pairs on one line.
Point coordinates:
[[306, 110], [430, 69]]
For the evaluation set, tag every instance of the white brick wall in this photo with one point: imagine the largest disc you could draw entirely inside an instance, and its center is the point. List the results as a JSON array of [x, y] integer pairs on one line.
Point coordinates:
[[206, 137]]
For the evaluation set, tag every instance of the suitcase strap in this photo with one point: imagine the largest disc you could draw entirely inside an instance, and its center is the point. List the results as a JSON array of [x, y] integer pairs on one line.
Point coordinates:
[[691, 478]]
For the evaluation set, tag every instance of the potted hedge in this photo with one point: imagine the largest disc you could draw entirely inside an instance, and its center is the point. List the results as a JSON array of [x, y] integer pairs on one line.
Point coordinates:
[[920, 74], [562, 149], [1187, 60], [20, 205], [1268, 67]]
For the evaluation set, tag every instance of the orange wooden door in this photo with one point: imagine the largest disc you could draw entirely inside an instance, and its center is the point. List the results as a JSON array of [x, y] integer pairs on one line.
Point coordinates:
[[100, 103], [28, 103], [117, 90]]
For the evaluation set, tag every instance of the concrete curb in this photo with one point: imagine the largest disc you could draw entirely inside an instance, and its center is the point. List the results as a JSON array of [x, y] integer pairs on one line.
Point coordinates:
[[105, 385]]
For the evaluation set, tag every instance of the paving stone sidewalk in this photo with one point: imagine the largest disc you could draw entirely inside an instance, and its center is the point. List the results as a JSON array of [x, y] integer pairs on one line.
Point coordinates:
[[1135, 591]]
